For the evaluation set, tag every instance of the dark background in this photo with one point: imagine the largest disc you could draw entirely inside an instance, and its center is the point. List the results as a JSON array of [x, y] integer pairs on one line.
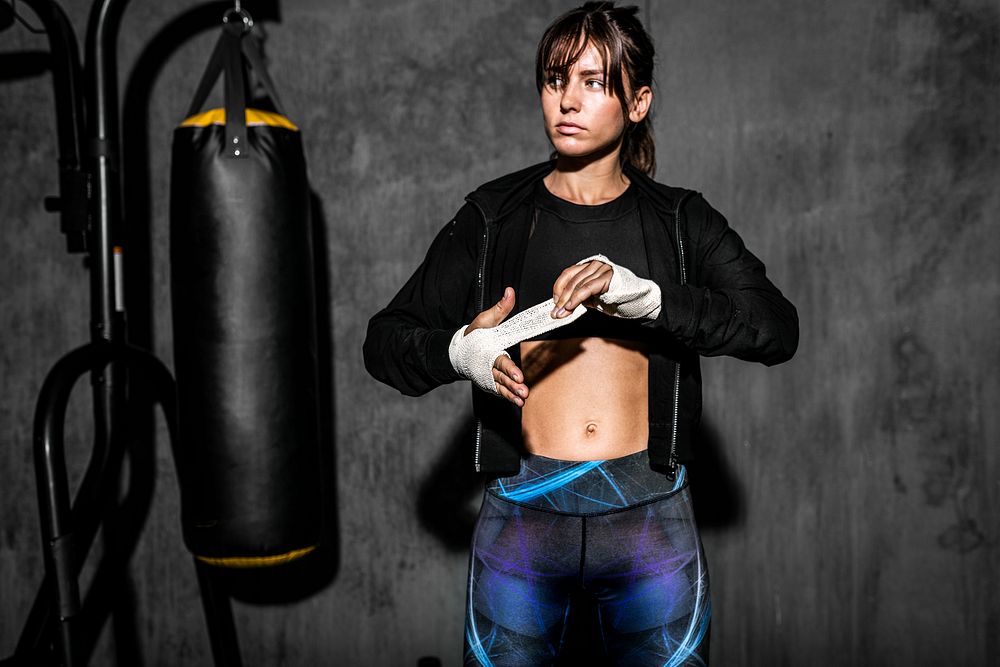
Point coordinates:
[[849, 498]]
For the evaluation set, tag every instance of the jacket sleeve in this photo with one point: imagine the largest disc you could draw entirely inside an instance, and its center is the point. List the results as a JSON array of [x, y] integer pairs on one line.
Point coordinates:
[[407, 342], [733, 308]]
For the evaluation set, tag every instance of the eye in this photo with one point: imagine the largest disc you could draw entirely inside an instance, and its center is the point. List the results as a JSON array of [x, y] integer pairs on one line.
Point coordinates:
[[595, 84], [554, 81]]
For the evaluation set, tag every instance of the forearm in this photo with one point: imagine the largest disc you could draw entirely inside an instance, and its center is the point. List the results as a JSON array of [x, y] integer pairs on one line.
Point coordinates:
[[730, 307], [406, 345], [751, 323], [410, 358]]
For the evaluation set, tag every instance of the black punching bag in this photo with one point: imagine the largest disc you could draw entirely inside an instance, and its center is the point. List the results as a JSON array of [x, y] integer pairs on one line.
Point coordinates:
[[244, 323]]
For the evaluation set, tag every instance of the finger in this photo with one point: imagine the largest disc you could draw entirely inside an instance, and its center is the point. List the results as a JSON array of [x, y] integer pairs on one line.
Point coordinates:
[[506, 380], [515, 388], [508, 388], [569, 280], [588, 281], [567, 275], [572, 276], [587, 289], [510, 376], [506, 365], [505, 393]]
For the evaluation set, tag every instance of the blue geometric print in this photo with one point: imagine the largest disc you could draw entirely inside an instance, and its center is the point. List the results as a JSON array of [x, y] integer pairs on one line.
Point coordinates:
[[614, 531]]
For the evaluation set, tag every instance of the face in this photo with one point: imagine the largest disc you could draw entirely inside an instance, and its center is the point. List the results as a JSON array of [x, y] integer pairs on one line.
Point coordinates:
[[582, 118]]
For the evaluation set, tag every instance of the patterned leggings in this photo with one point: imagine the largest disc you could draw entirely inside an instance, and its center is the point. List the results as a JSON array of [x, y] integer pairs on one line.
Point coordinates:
[[614, 530]]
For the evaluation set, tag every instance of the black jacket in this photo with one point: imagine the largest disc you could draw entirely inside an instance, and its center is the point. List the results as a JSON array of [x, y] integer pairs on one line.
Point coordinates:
[[716, 299]]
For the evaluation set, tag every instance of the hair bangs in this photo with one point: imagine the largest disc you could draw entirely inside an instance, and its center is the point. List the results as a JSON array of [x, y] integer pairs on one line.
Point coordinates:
[[627, 58], [565, 43]]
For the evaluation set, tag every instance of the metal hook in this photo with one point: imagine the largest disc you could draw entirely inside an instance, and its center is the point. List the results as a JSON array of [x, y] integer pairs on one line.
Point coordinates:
[[244, 15]]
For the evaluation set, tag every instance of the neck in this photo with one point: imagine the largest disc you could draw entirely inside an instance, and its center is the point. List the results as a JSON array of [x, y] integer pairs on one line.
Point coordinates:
[[587, 180]]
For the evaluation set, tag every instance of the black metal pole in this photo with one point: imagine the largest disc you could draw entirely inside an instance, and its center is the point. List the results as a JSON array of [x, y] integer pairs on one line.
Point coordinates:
[[66, 535], [107, 312], [53, 488], [66, 80], [215, 602], [107, 318]]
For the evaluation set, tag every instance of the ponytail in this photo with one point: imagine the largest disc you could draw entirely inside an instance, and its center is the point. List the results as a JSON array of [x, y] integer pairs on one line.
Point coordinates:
[[639, 149]]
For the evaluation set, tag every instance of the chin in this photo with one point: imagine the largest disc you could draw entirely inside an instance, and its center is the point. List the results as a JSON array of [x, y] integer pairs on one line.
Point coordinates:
[[579, 153], [572, 150], [577, 150]]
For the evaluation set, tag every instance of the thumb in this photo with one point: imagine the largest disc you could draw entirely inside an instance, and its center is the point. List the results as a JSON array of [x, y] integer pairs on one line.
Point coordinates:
[[499, 312]]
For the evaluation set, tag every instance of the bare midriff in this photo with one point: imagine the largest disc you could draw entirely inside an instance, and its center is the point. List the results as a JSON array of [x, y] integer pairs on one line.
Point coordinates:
[[587, 398]]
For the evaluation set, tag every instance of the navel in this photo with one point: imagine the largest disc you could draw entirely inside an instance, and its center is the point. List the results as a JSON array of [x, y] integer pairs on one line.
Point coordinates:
[[591, 429]]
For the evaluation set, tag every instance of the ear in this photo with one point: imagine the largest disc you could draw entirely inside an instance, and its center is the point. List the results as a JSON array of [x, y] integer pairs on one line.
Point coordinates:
[[642, 100]]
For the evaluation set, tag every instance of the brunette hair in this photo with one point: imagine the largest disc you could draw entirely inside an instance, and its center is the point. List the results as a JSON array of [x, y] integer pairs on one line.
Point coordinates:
[[627, 51]]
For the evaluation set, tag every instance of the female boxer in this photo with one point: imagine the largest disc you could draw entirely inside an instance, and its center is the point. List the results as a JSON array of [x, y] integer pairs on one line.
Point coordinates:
[[577, 296]]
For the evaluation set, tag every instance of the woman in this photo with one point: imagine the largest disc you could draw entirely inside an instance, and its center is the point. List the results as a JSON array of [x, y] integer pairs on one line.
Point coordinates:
[[587, 398]]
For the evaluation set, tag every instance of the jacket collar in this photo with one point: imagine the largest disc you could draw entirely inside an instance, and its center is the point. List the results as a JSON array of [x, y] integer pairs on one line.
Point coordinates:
[[664, 197], [499, 197]]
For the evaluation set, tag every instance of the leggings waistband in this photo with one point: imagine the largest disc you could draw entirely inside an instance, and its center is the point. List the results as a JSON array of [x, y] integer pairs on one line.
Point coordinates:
[[586, 487]]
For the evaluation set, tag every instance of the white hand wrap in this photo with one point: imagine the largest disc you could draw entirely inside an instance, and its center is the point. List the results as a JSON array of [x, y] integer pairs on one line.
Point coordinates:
[[473, 355], [628, 296]]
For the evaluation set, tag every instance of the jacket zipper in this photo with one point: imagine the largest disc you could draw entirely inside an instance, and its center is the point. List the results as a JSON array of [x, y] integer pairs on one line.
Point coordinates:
[[482, 298], [672, 459]]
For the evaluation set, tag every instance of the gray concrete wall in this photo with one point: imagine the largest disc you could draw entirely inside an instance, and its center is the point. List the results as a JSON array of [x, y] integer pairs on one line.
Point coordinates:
[[850, 496]]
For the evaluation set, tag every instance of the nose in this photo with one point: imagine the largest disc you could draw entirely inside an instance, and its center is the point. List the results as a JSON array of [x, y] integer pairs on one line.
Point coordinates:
[[569, 100]]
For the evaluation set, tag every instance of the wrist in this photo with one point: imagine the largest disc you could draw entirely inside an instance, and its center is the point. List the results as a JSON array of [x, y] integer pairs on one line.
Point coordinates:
[[628, 296]]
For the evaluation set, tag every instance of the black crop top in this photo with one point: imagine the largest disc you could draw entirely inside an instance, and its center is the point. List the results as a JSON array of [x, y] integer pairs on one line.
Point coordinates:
[[562, 234]]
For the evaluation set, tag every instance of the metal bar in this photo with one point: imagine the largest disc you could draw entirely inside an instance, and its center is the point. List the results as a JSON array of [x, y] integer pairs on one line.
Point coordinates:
[[67, 538], [66, 80], [219, 614], [53, 487], [103, 137], [107, 317]]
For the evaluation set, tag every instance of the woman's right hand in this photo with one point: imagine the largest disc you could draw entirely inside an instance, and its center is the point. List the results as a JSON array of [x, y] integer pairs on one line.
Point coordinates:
[[509, 378]]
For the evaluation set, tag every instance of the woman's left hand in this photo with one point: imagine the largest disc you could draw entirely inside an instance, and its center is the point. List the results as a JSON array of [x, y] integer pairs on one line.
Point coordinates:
[[579, 284]]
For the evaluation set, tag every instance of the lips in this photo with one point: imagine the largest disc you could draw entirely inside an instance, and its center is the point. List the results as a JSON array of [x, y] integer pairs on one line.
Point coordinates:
[[568, 128]]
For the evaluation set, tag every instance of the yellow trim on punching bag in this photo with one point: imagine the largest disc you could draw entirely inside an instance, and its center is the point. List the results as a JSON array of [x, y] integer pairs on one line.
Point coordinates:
[[255, 561], [255, 117]]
